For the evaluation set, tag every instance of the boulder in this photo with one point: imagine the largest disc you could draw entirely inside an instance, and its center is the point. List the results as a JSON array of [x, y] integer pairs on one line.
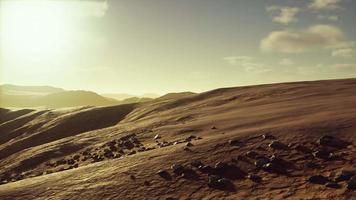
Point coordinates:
[[351, 184], [235, 142], [218, 182], [303, 149], [318, 179], [254, 178], [344, 175], [277, 145], [177, 169], [251, 154], [332, 185], [164, 174], [328, 140], [129, 144], [322, 154]]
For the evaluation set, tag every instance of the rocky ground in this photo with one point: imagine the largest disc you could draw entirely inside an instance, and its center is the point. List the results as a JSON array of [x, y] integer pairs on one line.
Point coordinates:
[[278, 141]]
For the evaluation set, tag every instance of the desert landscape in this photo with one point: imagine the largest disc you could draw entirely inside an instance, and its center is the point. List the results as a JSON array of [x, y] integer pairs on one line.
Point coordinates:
[[177, 100], [275, 141]]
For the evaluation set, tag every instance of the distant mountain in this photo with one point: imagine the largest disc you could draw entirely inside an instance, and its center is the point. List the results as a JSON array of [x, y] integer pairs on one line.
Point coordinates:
[[175, 95], [56, 100], [9, 89], [123, 96]]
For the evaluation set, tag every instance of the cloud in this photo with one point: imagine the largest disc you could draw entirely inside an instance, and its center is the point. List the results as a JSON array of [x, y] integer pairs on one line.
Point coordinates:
[[325, 4], [333, 18], [248, 63], [283, 15], [344, 53], [286, 62], [317, 36], [88, 8]]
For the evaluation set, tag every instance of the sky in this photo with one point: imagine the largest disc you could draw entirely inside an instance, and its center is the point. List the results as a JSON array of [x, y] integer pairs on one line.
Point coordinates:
[[161, 46]]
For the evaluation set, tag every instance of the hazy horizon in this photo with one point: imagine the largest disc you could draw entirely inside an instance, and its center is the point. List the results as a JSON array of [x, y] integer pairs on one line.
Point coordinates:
[[138, 47]]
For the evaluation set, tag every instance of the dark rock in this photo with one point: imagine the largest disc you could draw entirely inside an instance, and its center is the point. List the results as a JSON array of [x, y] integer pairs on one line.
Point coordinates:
[[164, 174], [187, 149], [214, 127], [312, 165], [196, 163], [70, 161], [76, 157], [322, 154], [277, 145], [351, 184], [274, 168], [235, 142], [146, 183], [206, 169], [268, 136], [328, 140], [279, 161], [189, 144], [190, 138], [132, 177], [132, 152], [218, 182], [260, 161], [251, 154], [129, 145], [318, 179], [344, 175], [75, 165], [177, 169], [254, 178], [228, 171], [332, 185]]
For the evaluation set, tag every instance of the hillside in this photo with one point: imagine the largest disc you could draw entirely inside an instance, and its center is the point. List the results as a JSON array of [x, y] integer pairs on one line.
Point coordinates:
[[254, 142]]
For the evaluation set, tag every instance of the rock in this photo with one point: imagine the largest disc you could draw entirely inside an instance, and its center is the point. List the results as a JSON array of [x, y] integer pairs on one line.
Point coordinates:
[[196, 163], [189, 144], [254, 178], [251, 154], [132, 152], [321, 154], [75, 165], [205, 169], [157, 137], [318, 179], [328, 140], [146, 183], [177, 169], [351, 184], [190, 138], [312, 165], [267, 136], [274, 168], [129, 145], [218, 182], [344, 175], [132, 177], [332, 185], [187, 149], [76, 157], [164, 174], [279, 161], [70, 161], [260, 161], [214, 127], [235, 142], [141, 149], [277, 145], [175, 143]]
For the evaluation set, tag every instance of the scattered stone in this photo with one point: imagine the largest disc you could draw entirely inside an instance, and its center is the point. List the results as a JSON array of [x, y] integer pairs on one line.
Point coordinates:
[[328, 140], [318, 179], [344, 175], [321, 154], [196, 163], [235, 142], [332, 185], [189, 144], [190, 138], [129, 145], [277, 145], [164, 174], [251, 154], [351, 184], [268, 136], [70, 161], [312, 165], [76, 157], [220, 183], [177, 169], [157, 137], [254, 178], [274, 168]]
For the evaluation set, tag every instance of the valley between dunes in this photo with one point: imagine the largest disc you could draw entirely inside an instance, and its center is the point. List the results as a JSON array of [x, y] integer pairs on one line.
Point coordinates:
[[127, 151]]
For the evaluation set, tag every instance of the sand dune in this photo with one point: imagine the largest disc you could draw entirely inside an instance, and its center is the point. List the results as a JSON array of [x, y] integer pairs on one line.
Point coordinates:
[[261, 142]]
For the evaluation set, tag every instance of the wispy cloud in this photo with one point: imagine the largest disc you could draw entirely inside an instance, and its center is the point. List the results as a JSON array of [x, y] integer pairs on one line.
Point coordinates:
[[344, 53], [325, 4], [317, 36], [333, 18], [250, 64], [283, 15]]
